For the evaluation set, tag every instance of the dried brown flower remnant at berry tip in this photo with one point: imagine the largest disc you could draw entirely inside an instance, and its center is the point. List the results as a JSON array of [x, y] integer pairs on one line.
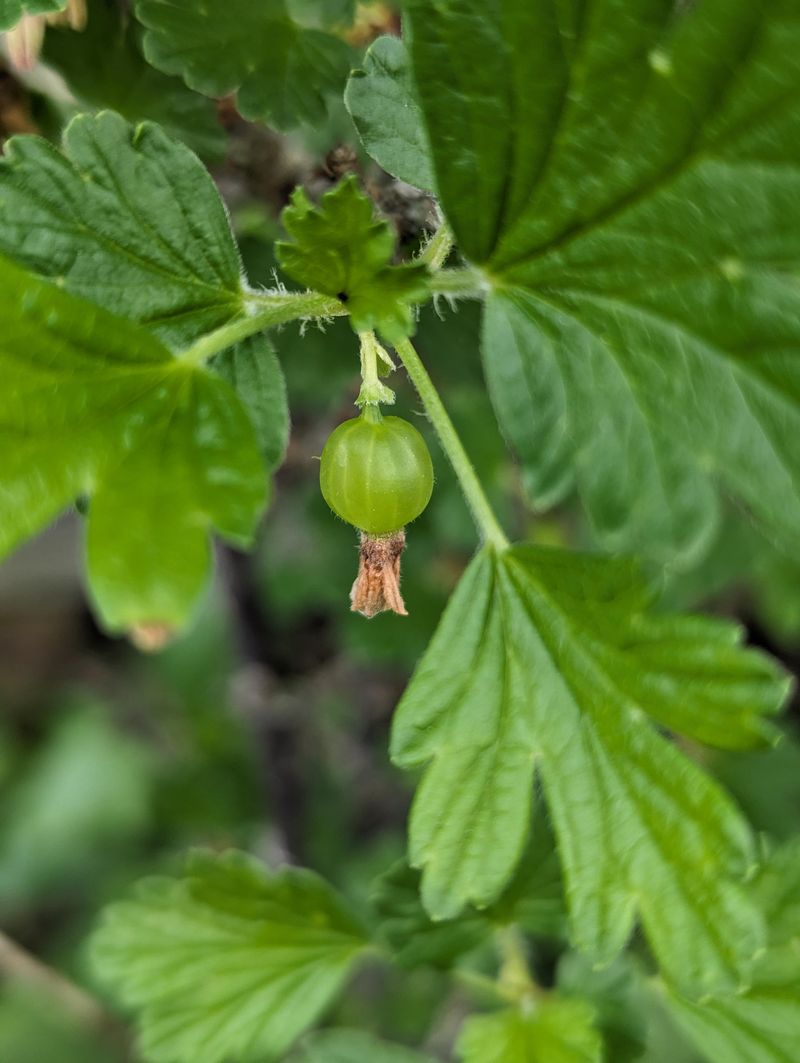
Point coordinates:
[[377, 586], [151, 638]]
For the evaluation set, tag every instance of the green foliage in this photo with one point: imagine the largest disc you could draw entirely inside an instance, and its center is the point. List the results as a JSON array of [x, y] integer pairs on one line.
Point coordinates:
[[11, 11], [94, 405], [382, 103], [227, 961], [533, 899], [342, 248], [553, 1030], [547, 662], [628, 184], [253, 371], [127, 218], [355, 1046], [761, 1025], [282, 72], [104, 66]]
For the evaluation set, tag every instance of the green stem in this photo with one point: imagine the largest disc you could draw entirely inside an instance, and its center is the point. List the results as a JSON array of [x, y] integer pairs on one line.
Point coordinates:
[[435, 253], [467, 283], [482, 984], [482, 511], [266, 312]]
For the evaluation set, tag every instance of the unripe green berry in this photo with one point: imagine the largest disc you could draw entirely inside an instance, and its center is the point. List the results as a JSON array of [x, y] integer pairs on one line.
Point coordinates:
[[376, 472]]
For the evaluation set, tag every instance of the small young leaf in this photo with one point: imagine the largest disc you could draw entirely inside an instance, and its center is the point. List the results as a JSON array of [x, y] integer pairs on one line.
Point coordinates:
[[550, 662], [342, 248], [228, 961], [11, 11], [763, 1024], [384, 108], [356, 1046], [254, 372], [95, 405], [127, 218], [104, 67], [628, 180], [556, 1030], [281, 71]]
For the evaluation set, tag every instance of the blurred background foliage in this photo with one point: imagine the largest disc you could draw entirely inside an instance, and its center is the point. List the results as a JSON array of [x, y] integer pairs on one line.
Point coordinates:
[[265, 726]]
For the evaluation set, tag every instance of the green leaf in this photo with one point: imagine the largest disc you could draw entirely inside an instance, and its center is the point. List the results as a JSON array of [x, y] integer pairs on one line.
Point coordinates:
[[533, 899], [414, 938], [11, 11], [227, 961], [618, 997], [549, 663], [337, 13], [763, 1024], [384, 108], [341, 248], [282, 72], [556, 1030], [626, 177], [94, 405], [104, 67], [127, 218], [356, 1046], [254, 372]]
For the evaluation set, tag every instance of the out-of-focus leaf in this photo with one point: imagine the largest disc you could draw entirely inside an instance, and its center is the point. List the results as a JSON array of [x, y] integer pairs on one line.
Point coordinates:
[[104, 67], [227, 961]]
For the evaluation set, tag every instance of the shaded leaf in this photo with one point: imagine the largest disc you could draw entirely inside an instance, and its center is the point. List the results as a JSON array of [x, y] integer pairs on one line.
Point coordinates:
[[11, 11], [281, 71], [382, 103], [628, 180], [104, 67]]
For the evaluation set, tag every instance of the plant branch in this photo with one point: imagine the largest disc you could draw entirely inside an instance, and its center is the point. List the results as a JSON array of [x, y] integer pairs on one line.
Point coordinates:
[[482, 512], [17, 962], [266, 311]]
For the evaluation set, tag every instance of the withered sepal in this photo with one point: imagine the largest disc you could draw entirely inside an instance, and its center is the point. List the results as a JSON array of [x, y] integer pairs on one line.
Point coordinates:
[[377, 586]]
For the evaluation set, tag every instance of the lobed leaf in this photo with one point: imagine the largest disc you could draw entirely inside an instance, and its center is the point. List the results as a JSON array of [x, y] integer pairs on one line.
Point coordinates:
[[104, 67], [227, 961], [342, 248], [549, 663], [629, 182], [124, 217], [282, 72], [96, 406], [763, 1024]]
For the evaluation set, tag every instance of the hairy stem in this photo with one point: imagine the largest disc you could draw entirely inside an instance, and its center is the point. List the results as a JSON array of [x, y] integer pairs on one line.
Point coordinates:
[[266, 311], [435, 253], [467, 283], [482, 511]]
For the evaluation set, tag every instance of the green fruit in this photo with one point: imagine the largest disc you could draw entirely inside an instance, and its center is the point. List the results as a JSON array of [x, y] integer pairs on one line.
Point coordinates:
[[376, 472]]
